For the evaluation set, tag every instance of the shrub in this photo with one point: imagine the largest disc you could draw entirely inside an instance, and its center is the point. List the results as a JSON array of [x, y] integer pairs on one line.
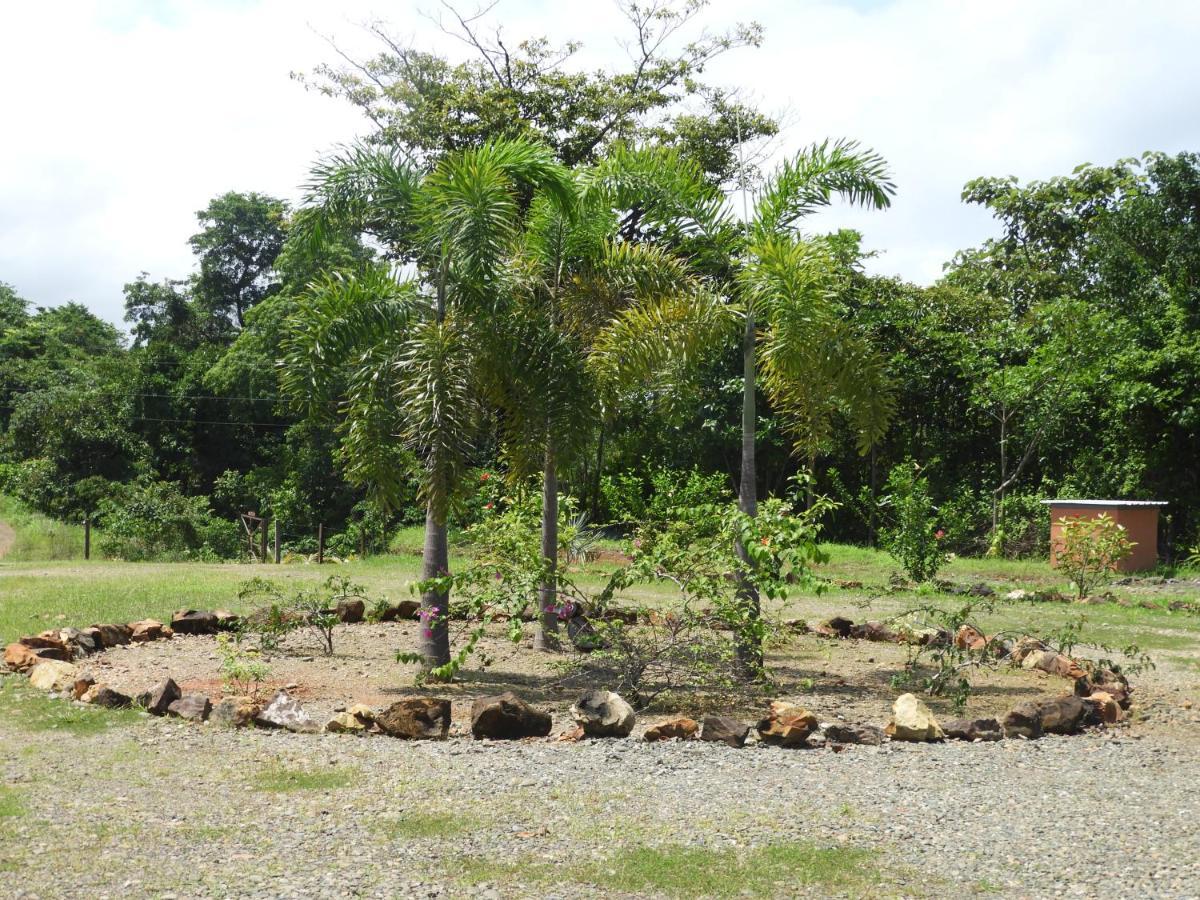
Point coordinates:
[[154, 520], [1088, 550], [913, 538], [241, 669], [314, 609]]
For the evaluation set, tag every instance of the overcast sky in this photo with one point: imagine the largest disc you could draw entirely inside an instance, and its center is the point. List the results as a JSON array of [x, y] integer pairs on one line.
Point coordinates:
[[120, 118]]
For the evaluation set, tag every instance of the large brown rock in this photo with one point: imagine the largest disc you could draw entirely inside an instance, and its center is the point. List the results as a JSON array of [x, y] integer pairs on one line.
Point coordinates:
[[1105, 707], [158, 699], [912, 721], [148, 630], [724, 730], [854, 734], [1053, 663], [20, 658], [1024, 720], [344, 723], [193, 707], [414, 718], [874, 631], [973, 730], [402, 611], [350, 611], [79, 642], [507, 717], [786, 725], [47, 640], [1066, 715], [113, 635], [194, 621], [82, 684], [234, 712], [970, 638], [53, 675], [103, 695], [603, 714], [683, 729]]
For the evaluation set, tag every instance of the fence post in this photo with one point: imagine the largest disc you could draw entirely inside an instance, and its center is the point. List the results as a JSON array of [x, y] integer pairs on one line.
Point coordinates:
[[87, 537], [278, 556], [320, 544], [262, 541]]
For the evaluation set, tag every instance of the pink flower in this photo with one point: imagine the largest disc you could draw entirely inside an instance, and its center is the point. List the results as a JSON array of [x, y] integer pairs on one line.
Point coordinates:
[[484, 477], [428, 632], [487, 505], [939, 534]]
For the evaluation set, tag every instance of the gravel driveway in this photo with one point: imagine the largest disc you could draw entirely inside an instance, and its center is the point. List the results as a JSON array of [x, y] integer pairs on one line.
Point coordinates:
[[160, 809]]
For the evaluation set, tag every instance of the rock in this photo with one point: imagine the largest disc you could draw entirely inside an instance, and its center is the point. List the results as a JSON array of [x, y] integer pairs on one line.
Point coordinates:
[[91, 637], [415, 718], [103, 695], [981, 589], [147, 630], [82, 683], [724, 730], [571, 735], [786, 725], [405, 609], [53, 675], [362, 712], [1066, 715], [1115, 689], [840, 626], [192, 621], [344, 723], [603, 714], [47, 640], [1024, 720], [1105, 707], [970, 638], [1053, 663], [912, 721], [285, 712], [226, 621], [113, 635], [507, 717], [193, 707], [974, 730], [874, 631], [77, 642], [1024, 648], [1019, 596], [583, 635], [234, 712], [350, 611], [20, 658], [854, 734], [683, 729], [158, 699]]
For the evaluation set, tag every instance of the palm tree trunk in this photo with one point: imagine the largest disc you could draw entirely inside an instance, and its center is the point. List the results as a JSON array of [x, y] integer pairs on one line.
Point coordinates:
[[748, 646], [546, 637], [434, 640]]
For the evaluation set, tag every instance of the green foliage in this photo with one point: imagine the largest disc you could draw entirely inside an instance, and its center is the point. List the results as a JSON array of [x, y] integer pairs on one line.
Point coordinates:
[[1089, 549], [281, 780], [913, 536], [630, 501], [154, 520], [314, 609], [241, 667]]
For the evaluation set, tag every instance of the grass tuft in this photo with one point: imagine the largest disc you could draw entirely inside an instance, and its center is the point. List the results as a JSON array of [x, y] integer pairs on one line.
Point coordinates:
[[282, 780], [11, 804], [413, 826], [28, 709]]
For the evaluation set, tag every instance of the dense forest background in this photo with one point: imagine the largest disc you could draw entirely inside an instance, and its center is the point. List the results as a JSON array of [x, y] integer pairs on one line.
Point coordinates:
[[1060, 358]]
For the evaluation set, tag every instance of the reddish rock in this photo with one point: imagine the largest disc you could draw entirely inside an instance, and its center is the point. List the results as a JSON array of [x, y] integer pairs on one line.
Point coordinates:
[[786, 725], [104, 696], [724, 730], [194, 621], [350, 611], [405, 609], [974, 730], [148, 630], [226, 621], [874, 631], [158, 699], [234, 712], [1066, 715], [682, 729], [113, 635], [193, 707], [47, 640], [416, 718], [854, 734], [19, 657], [507, 717], [1105, 707], [82, 685], [970, 638], [1024, 720]]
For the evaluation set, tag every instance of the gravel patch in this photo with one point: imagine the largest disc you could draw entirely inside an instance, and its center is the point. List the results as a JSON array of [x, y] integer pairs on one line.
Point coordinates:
[[162, 809]]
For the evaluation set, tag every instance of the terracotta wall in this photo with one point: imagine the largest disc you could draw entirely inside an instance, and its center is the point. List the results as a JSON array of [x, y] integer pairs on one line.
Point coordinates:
[[1141, 525]]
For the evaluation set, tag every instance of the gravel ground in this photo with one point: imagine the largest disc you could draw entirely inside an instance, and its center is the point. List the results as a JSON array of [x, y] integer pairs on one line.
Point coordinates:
[[160, 809]]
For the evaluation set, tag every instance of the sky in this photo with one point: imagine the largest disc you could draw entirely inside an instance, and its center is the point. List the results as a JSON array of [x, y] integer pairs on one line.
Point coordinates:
[[119, 119]]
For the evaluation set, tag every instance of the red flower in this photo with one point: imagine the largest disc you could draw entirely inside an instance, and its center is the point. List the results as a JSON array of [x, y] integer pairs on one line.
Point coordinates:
[[766, 542], [939, 534], [487, 506], [484, 477]]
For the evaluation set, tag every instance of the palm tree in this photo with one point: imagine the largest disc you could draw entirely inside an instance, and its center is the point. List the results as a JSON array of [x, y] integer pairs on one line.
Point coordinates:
[[405, 354]]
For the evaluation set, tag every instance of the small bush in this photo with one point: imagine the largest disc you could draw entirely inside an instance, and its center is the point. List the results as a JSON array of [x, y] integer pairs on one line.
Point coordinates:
[[913, 538], [1088, 550], [154, 520]]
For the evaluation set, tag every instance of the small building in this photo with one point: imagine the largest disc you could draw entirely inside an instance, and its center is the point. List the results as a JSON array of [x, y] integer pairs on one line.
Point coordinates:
[[1139, 517]]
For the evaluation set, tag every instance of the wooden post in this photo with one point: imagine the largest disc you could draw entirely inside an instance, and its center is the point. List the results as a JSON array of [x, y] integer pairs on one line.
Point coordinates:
[[87, 537], [278, 549], [320, 544], [262, 540], [362, 541]]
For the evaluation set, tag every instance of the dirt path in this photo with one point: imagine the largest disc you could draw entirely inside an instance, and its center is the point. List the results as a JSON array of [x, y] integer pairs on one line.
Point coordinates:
[[7, 537]]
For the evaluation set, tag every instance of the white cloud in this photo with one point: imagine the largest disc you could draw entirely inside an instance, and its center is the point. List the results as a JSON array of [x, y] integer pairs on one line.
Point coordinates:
[[120, 119]]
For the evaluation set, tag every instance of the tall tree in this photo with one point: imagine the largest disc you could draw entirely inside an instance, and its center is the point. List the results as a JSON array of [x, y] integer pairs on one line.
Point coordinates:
[[403, 353]]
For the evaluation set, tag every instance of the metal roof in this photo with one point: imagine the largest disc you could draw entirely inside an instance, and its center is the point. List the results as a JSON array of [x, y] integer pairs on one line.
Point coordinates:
[[1104, 502]]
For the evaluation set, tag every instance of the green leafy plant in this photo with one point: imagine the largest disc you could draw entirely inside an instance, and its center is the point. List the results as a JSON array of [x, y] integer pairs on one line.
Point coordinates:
[[312, 609], [242, 668], [1088, 550], [913, 537]]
